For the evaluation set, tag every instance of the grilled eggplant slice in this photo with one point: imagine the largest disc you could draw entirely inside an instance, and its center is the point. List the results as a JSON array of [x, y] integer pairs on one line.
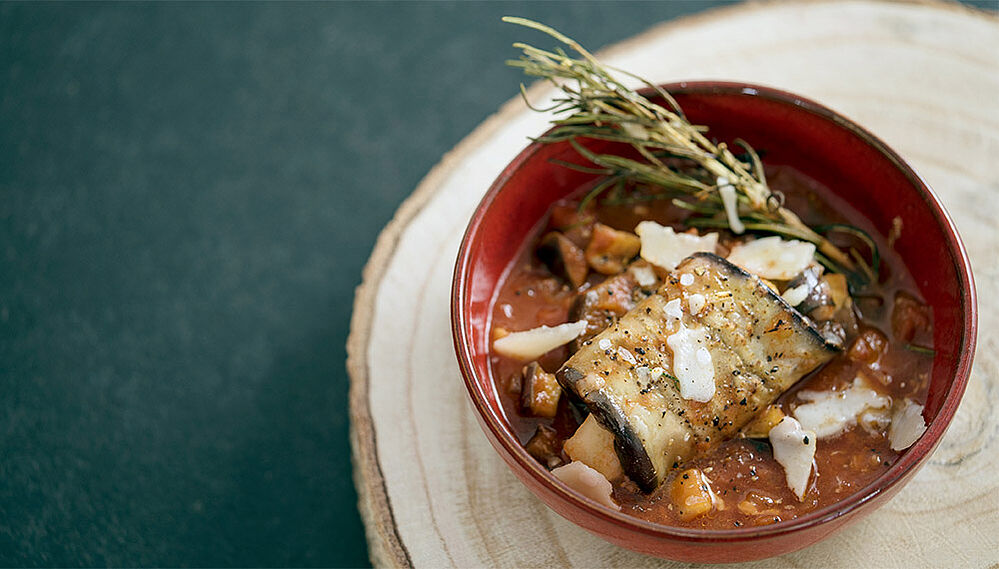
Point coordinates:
[[690, 365]]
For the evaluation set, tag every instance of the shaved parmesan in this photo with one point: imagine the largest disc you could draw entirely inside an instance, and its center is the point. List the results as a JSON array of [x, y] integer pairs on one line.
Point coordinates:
[[588, 482], [907, 425], [696, 302], [797, 295], [794, 450], [643, 274], [626, 355], [533, 343], [829, 413], [692, 363], [665, 248], [773, 257], [673, 309], [727, 192]]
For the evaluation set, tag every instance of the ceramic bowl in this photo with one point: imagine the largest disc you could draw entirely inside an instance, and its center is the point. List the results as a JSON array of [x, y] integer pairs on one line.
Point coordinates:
[[795, 131]]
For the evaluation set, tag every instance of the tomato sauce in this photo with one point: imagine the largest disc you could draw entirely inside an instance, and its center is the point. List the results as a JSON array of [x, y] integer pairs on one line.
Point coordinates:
[[890, 350]]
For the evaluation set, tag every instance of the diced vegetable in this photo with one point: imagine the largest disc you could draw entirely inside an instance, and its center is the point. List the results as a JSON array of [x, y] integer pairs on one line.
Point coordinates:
[[838, 289], [908, 316], [610, 250], [833, 309], [593, 445], [691, 494], [539, 392], [563, 258], [574, 224], [759, 504], [534, 343], [602, 304], [761, 425], [543, 446], [869, 346]]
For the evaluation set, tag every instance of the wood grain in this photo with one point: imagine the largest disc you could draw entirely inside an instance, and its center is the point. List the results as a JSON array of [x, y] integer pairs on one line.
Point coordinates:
[[924, 77]]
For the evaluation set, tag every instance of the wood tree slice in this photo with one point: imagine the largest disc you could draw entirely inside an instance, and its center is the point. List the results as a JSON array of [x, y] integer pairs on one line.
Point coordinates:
[[924, 77]]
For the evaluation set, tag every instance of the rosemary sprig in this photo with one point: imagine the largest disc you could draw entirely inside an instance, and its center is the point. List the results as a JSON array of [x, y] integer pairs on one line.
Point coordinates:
[[596, 105]]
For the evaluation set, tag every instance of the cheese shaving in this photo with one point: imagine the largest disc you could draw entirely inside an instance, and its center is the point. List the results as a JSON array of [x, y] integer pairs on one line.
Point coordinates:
[[588, 482], [797, 295], [534, 343], [673, 309], [692, 363], [665, 248], [907, 425], [696, 302], [643, 274], [727, 192], [794, 450], [829, 413], [773, 257], [626, 355]]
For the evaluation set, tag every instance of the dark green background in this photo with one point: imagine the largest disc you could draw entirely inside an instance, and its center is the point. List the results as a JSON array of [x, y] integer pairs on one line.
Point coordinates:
[[188, 194]]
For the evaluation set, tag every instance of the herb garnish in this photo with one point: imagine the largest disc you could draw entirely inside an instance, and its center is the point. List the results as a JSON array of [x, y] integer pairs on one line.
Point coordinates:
[[678, 161]]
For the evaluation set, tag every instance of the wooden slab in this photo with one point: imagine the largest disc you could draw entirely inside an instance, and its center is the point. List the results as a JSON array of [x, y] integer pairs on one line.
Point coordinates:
[[924, 77]]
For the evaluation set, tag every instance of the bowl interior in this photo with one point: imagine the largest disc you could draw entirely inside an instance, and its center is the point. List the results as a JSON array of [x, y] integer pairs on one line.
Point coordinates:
[[859, 169]]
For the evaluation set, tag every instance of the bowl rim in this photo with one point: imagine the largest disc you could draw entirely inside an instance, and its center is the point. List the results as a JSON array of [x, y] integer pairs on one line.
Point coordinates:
[[908, 463]]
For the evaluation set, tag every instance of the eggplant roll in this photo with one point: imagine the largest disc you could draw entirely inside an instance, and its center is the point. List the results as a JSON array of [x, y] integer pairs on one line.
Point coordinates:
[[690, 365]]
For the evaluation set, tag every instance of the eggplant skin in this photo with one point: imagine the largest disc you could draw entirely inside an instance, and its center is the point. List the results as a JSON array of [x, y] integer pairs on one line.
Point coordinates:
[[628, 445], [759, 347]]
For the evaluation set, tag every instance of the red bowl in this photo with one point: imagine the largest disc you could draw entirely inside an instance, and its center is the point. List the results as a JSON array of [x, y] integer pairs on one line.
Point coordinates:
[[856, 166]]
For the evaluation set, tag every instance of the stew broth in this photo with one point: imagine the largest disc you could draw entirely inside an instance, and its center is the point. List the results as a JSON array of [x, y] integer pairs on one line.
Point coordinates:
[[748, 483]]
